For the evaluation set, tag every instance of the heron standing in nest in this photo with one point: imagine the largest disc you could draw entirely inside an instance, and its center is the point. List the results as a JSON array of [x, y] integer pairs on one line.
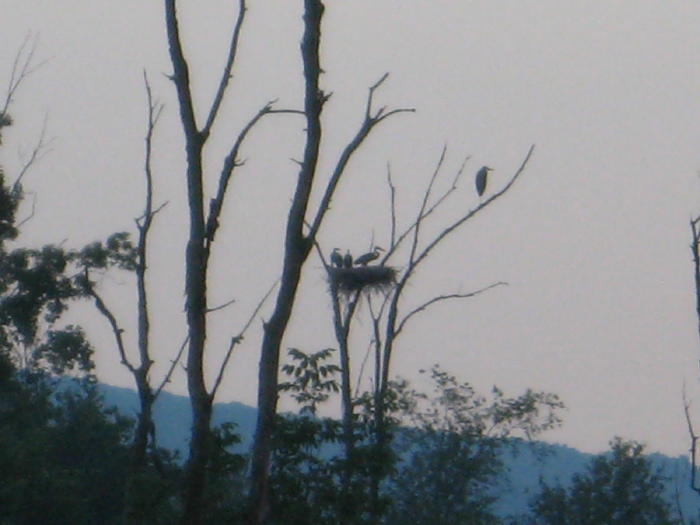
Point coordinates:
[[336, 258], [365, 259]]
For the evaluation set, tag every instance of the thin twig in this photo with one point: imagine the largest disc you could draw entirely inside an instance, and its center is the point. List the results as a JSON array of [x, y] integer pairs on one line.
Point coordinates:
[[21, 69], [30, 216], [474, 211], [238, 338], [432, 208], [392, 202], [221, 306], [362, 369], [414, 263], [421, 211], [226, 74], [173, 364], [440, 298], [369, 122], [693, 444], [107, 313], [41, 148]]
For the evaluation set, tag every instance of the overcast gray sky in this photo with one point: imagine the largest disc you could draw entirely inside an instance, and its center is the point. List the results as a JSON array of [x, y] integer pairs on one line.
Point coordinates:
[[593, 239]]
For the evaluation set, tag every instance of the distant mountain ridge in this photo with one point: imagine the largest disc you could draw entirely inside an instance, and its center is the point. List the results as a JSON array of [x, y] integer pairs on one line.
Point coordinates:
[[172, 416]]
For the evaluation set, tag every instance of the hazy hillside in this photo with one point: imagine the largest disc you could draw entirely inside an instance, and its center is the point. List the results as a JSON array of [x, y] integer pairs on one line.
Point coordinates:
[[557, 463]]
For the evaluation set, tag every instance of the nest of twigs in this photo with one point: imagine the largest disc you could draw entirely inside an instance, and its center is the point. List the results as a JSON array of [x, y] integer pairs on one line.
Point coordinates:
[[372, 278]]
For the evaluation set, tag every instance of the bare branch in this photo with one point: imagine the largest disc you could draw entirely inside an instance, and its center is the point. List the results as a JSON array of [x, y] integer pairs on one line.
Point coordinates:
[[221, 306], [230, 163], [40, 149], [693, 445], [432, 208], [30, 216], [440, 298], [361, 373], [370, 121], [173, 364], [107, 313], [21, 69], [238, 338], [423, 254], [421, 211], [392, 202], [226, 75]]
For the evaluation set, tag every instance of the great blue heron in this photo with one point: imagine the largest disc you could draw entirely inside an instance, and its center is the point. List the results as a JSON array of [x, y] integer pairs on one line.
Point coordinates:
[[336, 258], [481, 179], [369, 257], [347, 260]]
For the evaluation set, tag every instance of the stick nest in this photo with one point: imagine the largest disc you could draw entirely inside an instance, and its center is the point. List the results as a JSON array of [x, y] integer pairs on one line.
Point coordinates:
[[373, 278]]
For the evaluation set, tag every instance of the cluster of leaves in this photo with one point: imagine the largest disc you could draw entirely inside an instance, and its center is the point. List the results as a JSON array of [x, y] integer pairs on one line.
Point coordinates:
[[36, 288], [618, 488], [443, 465], [63, 456]]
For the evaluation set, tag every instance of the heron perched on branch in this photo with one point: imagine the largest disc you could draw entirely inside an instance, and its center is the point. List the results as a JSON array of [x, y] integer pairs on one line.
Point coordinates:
[[336, 258], [363, 260], [347, 260], [481, 179]]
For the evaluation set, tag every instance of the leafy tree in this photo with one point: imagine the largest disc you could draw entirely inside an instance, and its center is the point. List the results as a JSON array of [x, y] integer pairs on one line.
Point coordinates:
[[443, 465], [451, 449], [304, 470], [618, 488]]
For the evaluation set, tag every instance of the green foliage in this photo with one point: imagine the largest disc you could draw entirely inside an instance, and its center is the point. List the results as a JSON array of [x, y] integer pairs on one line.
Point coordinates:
[[9, 201], [451, 447], [618, 488], [34, 288], [311, 379], [118, 251], [441, 465], [66, 350], [62, 455], [306, 484]]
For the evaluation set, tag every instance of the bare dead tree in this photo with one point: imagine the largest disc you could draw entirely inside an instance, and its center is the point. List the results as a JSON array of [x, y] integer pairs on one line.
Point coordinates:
[[203, 226], [387, 320], [139, 368], [298, 244]]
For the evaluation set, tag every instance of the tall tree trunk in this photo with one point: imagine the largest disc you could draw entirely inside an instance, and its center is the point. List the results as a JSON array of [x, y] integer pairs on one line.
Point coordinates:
[[196, 306], [195, 280], [296, 251], [138, 460]]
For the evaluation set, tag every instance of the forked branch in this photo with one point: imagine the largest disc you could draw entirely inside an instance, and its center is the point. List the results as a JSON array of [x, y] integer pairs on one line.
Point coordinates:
[[230, 163], [369, 122], [424, 253], [228, 68]]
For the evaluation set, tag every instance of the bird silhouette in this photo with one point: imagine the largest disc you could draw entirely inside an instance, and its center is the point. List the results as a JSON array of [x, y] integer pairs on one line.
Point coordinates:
[[482, 179], [336, 258], [362, 260], [347, 260]]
